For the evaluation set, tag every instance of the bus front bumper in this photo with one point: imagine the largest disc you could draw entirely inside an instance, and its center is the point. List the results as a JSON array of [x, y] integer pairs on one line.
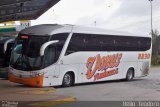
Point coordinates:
[[34, 82]]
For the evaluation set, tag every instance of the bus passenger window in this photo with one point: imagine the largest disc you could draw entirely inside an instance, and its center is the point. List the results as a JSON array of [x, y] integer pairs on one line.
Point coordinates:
[[92, 43], [77, 43], [62, 37]]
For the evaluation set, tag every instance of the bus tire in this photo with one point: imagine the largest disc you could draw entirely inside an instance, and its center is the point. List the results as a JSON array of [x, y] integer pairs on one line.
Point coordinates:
[[68, 79], [130, 75]]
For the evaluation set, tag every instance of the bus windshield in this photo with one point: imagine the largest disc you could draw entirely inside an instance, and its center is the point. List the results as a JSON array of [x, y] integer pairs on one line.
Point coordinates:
[[26, 53]]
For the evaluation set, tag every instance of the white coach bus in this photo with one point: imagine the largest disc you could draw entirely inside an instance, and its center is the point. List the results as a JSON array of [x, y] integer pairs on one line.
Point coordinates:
[[51, 55]]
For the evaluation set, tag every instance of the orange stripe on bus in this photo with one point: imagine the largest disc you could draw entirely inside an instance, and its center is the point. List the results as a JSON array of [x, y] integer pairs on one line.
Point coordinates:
[[35, 82]]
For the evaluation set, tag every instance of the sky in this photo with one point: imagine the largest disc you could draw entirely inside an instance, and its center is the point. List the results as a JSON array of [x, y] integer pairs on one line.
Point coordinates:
[[121, 15]]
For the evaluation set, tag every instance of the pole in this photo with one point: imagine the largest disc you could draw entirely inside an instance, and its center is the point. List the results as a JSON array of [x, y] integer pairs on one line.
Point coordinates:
[[151, 17], [95, 23]]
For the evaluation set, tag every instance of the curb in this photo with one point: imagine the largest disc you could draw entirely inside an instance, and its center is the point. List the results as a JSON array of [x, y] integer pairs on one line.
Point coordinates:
[[56, 102]]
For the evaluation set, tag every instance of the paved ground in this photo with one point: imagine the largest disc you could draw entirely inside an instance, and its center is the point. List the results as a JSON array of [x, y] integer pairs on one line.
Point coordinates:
[[142, 89], [23, 96]]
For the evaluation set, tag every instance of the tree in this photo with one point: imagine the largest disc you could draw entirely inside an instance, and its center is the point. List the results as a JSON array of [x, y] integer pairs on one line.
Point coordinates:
[[155, 47], [155, 42]]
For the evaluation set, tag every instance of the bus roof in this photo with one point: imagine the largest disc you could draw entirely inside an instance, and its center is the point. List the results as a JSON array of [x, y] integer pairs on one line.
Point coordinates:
[[50, 29]]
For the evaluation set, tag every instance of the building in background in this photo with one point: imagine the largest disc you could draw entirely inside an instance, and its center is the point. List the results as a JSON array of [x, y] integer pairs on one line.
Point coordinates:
[[13, 27], [23, 24], [8, 27]]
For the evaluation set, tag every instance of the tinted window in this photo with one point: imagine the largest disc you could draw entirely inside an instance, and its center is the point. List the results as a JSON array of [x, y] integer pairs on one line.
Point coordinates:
[[53, 51], [107, 43], [34, 45], [83, 42], [50, 55], [31, 45], [62, 37], [92, 42], [77, 43]]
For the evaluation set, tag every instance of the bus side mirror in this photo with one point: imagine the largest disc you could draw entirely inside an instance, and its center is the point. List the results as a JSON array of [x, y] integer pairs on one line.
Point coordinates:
[[45, 45], [6, 44]]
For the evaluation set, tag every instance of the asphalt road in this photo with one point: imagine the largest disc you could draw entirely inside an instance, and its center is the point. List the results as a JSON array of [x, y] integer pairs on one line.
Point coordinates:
[[140, 89], [95, 94]]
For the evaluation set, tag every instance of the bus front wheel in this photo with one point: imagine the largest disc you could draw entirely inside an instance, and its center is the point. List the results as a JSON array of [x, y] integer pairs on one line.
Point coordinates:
[[130, 75], [68, 80]]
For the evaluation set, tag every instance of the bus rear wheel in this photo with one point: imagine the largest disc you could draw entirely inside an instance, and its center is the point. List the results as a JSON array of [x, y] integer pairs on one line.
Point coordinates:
[[130, 75], [68, 80]]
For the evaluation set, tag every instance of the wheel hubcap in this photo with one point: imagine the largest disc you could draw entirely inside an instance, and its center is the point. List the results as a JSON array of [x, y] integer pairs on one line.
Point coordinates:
[[67, 79], [130, 75]]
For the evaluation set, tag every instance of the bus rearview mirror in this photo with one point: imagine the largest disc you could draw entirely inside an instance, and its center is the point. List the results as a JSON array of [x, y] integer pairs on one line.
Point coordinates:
[[45, 45], [6, 44]]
